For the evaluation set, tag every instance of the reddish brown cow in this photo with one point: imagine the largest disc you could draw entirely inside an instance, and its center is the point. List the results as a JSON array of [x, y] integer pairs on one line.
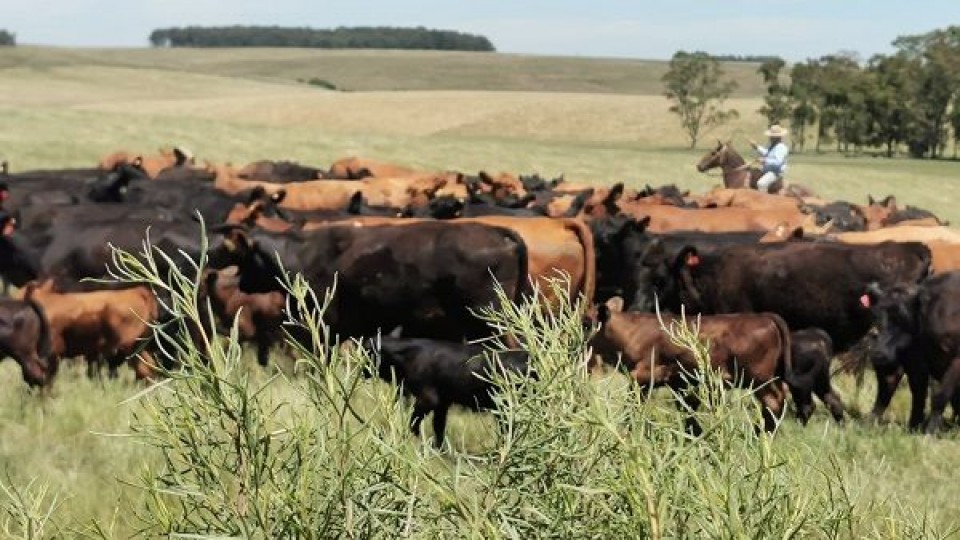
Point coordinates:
[[752, 349], [336, 194], [258, 316], [355, 168], [98, 324]]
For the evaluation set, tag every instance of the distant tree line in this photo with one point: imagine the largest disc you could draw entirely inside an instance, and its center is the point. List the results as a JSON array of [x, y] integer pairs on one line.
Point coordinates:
[[337, 38], [742, 58], [910, 99], [7, 39]]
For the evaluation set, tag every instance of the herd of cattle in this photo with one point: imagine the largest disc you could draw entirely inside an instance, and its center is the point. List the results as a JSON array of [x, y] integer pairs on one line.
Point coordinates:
[[784, 282]]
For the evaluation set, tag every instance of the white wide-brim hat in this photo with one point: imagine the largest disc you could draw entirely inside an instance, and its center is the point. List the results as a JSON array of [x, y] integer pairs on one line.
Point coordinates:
[[776, 130]]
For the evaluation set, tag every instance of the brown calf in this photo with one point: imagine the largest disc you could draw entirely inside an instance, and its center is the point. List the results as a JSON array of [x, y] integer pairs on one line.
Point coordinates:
[[98, 324], [258, 316], [752, 349]]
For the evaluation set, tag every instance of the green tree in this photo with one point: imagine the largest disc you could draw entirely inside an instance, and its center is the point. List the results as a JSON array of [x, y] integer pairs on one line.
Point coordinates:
[[7, 39], [803, 97], [695, 85], [777, 102], [890, 101]]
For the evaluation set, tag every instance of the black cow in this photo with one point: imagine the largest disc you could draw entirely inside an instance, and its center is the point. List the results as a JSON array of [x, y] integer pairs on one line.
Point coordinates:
[[57, 251], [426, 276], [809, 284], [812, 351], [450, 207], [25, 337], [439, 374], [280, 172], [629, 258], [911, 213], [537, 183], [919, 334], [843, 216]]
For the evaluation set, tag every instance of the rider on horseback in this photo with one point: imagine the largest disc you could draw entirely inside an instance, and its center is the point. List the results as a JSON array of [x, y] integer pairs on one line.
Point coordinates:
[[773, 157]]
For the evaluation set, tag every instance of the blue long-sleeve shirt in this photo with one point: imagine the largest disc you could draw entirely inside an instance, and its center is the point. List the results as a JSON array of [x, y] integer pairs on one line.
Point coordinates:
[[774, 158]]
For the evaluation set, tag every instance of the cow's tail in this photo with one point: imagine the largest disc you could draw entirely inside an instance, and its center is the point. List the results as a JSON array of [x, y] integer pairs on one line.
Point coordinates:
[[588, 286], [523, 263], [43, 346], [785, 369]]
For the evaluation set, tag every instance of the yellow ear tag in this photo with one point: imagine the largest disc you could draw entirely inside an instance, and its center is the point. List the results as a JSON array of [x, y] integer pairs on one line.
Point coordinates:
[[229, 244]]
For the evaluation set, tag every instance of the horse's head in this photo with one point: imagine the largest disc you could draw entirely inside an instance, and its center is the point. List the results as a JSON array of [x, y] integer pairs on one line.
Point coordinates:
[[714, 158]]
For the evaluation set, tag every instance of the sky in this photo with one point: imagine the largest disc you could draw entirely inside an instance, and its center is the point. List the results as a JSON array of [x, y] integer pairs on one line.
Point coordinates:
[[792, 29]]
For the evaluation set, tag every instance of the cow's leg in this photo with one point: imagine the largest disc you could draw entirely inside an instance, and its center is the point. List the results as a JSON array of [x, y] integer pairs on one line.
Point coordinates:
[[943, 395], [263, 349], [888, 378], [420, 411], [803, 400], [772, 397], [919, 382], [824, 391], [142, 365], [440, 424]]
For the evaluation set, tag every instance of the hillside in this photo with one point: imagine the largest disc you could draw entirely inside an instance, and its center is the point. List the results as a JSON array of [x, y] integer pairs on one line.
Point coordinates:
[[388, 70]]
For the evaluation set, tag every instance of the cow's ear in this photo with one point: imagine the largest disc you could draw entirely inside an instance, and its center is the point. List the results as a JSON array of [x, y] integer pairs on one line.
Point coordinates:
[[688, 257], [485, 178], [278, 196], [29, 289], [870, 201], [643, 223], [797, 233], [603, 314], [615, 192], [615, 304], [889, 202], [256, 194]]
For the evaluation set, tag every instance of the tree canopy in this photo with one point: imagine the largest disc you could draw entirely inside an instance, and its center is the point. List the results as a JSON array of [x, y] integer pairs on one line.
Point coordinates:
[[336, 38], [909, 99], [7, 38], [695, 85]]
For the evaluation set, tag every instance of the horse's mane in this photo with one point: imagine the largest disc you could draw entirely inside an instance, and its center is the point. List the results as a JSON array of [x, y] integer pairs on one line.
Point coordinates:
[[734, 157]]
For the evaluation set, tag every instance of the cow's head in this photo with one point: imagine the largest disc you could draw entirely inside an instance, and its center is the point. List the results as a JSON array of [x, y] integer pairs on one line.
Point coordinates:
[[896, 312], [445, 207], [630, 263], [681, 287], [257, 265], [877, 212], [17, 264], [603, 203]]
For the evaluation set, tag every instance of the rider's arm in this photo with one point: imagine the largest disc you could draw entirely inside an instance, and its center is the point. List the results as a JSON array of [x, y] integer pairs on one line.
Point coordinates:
[[762, 150], [776, 156]]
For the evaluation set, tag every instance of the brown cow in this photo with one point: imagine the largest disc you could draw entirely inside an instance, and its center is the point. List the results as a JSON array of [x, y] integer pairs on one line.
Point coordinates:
[[152, 165], [356, 168], [900, 234], [744, 198], [671, 218], [752, 349], [258, 316], [336, 194], [98, 324]]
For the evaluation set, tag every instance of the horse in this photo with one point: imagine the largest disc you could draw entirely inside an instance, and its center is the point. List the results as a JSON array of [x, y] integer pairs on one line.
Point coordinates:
[[737, 173]]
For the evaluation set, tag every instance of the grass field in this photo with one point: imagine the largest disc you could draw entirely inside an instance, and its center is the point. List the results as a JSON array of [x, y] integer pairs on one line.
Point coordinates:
[[596, 121]]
